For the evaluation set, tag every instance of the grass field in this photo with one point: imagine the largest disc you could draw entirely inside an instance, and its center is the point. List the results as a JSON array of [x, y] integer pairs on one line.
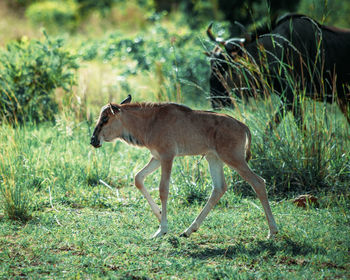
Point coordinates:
[[113, 242], [80, 228], [68, 211]]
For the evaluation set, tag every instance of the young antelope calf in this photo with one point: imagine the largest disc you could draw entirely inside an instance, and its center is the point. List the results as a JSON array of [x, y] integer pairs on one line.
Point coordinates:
[[169, 130]]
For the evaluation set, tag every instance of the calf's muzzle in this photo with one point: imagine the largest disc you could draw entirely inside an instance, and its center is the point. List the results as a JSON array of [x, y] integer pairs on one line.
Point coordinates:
[[95, 142]]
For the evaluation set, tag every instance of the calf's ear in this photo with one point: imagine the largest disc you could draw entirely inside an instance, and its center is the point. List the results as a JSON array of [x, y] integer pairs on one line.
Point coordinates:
[[114, 108], [126, 100]]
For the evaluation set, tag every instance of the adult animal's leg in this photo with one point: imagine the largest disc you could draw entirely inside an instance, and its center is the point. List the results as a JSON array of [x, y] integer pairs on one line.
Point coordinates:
[[219, 188], [139, 179]]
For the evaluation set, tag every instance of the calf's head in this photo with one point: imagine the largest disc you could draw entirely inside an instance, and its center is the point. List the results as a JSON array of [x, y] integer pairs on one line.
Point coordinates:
[[109, 126]]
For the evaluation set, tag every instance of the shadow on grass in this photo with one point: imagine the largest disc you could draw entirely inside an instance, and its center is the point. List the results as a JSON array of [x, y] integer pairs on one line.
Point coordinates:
[[286, 246]]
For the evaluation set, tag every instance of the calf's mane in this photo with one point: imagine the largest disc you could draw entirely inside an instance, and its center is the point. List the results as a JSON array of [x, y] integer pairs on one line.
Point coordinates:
[[150, 105]]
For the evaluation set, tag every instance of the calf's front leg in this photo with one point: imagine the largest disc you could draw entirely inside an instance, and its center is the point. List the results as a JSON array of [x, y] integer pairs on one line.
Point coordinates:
[[166, 165], [139, 179]]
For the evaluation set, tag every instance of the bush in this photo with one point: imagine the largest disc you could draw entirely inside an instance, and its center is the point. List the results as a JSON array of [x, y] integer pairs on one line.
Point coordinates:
[[30, 71], [54, 14], [177, 60]]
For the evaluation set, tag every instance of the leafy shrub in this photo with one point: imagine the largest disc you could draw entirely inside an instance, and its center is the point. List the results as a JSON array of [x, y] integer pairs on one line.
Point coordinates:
[[54, 14], [30, 71], [177, 60]]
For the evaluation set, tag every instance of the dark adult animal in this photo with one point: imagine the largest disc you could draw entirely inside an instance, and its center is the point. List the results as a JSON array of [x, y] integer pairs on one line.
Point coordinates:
[[297, 57]]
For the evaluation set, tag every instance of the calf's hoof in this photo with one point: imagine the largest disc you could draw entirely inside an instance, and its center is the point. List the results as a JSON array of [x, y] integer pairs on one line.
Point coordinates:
[[272, 235], [159, 233], [185, 235]]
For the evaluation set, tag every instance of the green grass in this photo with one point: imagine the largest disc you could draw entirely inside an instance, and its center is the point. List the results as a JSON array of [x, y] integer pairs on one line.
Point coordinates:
[[80, 228], [93, 243]]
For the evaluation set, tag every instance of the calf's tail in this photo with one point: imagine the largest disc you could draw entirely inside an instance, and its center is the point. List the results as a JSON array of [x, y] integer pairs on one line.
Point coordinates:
[[248, 153]]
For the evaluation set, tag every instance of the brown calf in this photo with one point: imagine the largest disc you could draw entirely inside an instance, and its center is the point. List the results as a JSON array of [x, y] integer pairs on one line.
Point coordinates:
[[169, 130]]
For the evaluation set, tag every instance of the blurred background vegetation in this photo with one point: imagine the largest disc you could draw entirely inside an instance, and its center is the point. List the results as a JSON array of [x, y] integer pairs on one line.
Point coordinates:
[[122, 46], [71, 13]]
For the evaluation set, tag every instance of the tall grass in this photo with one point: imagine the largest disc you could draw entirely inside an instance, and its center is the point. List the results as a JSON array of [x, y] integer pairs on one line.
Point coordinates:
[[16, 201], [13, 188], [295, 161]]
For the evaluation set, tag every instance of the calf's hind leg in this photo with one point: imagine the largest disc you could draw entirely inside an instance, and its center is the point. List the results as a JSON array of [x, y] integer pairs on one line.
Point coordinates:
[[219, 188], [258, 185]]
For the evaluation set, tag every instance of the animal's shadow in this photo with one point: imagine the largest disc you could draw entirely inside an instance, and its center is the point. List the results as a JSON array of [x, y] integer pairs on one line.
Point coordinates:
[[254, 249]]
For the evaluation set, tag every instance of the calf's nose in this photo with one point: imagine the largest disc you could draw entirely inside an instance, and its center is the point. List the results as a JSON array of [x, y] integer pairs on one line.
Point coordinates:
[[94, 141]]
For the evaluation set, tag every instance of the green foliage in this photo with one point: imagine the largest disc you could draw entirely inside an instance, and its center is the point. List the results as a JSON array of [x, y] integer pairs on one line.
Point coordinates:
[[30, 71], [333, 12], [86, 6], [15, 4], [104, 6], [54, 14], [57, 15], [200, 12], [177, 60]]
